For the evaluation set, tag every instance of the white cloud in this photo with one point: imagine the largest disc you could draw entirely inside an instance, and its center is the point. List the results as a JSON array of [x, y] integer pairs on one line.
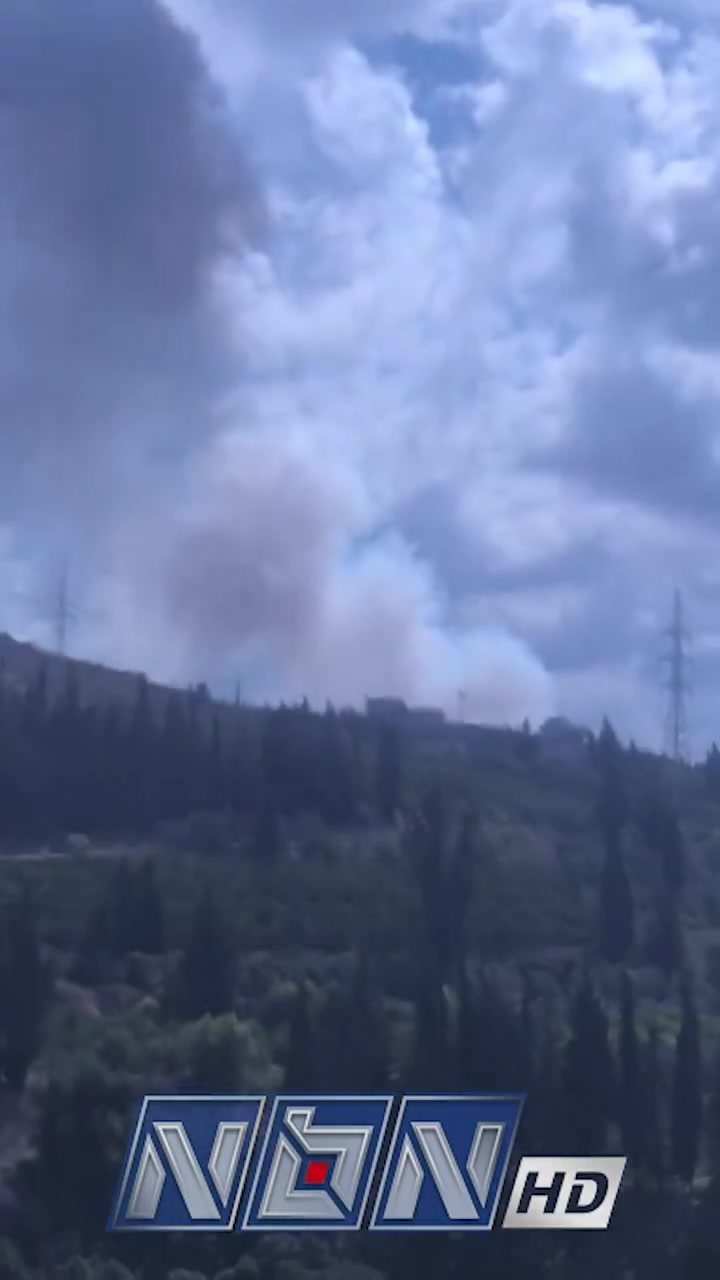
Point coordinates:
[[521, 309], [430, 321]]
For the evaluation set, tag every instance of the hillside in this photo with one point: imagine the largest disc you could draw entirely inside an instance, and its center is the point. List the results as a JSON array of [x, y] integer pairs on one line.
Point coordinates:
[[341, 902], [22, 663]]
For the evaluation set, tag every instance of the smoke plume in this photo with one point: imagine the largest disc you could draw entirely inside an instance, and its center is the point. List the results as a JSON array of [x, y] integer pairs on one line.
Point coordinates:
[[215, 550]]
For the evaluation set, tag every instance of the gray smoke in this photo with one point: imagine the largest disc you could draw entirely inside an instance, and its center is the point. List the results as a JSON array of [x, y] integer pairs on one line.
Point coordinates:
[[215, 549], [122, 187], [271, 564]]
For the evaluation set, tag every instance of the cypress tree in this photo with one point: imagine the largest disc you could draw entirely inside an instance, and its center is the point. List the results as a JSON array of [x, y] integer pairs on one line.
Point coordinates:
[[589, 1076], [122, 909], [617, 913], [612, 804], [367, 1035], [205, 979], [631, 1086], [686, 1115], [24, 993], [712, 770], [216, 765], [459, 896], [300, 1062], [339, 768], [663, 835], [665, 944], [712, 1124], [652, 1109], [493, 1052], [430, 1067], [142, 796], [388, 772], [442, 855], [150, 932]]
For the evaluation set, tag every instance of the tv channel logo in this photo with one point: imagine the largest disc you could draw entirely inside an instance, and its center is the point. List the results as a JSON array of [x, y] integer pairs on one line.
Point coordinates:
[[187, 1164], [317, 1164], [335, 1163], [447, 1163]]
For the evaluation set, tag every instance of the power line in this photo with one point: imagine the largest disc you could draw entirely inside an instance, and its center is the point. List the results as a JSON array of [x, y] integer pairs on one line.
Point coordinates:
[[677, 684]]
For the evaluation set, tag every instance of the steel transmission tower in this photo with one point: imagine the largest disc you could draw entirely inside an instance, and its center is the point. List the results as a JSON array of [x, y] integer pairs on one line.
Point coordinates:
[[678, 686], [58, 610], [62, 612]]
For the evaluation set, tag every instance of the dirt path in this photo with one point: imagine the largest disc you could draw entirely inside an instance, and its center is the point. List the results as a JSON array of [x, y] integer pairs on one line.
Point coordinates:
[[46, 855]]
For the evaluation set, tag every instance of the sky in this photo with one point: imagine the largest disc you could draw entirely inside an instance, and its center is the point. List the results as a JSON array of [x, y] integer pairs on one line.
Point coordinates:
[[352, 348]]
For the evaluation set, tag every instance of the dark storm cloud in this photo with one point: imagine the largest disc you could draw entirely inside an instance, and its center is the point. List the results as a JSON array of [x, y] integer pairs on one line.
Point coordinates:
[[603, 630], [619, 258], [120, 188], [633, 436]]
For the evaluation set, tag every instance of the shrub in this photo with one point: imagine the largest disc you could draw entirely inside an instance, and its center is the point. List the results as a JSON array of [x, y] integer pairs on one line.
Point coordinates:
[[77, 844]]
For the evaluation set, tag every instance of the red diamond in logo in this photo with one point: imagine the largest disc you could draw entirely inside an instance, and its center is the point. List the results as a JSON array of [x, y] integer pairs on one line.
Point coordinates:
[[316, 1172]]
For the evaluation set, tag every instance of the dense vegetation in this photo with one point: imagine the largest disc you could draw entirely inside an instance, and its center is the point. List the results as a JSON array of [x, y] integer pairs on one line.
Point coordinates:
[[246, 900]]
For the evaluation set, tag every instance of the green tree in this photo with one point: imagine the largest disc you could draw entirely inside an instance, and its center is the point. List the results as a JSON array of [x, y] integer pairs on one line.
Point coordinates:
[[686, 1115], [652, 1109], [712, 770], [493, 1047], [216, 765], [526, 743], [12, 1266], [224, 1055], [389, 771], [631, 1091], [204, 982], [589, 1075], [617, 913], [712, 1124], [431, 1064], [88, 1113], [663, 835], [301, 1061], [665, 946], [122, 909], [142, 794], [612, 803], [267, 829], [150, 926], [337, 784], [442, 851], [24, 993], [360, 1043]]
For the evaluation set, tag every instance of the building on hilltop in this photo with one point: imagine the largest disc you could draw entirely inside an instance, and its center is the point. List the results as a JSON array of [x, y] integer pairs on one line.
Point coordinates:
[[385, 709], [427, 717], [396, 711], [560, 739]]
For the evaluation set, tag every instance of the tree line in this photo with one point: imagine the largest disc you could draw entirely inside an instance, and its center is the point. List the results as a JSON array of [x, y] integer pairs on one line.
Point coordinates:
[[118, 770]]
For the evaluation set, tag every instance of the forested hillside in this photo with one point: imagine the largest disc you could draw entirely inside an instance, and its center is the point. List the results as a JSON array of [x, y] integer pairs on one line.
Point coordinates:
[[202, 898]]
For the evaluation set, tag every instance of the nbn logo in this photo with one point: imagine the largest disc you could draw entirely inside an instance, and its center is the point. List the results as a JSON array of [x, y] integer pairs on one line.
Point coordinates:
[[447, 1163], [187, 1163], [317, 1164], [444, 1166]]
